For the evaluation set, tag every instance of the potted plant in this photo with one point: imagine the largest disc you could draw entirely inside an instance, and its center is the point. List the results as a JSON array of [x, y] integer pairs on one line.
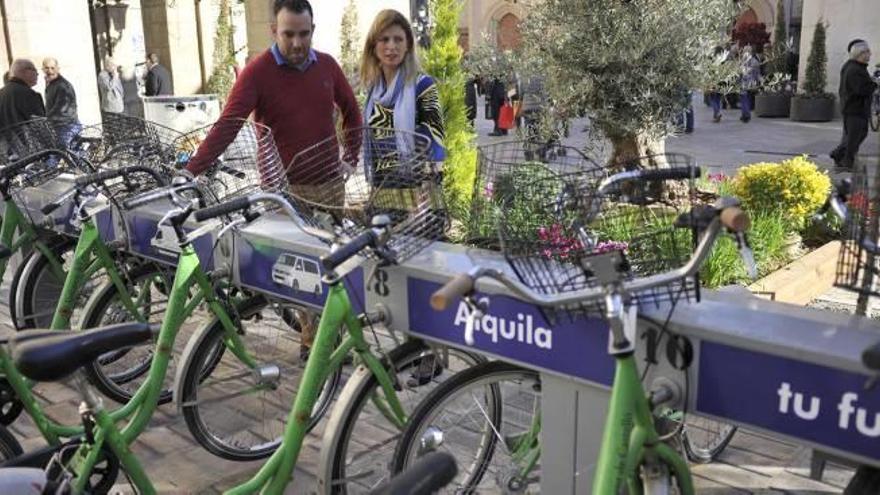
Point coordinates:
[[814, 104], [774, 97]]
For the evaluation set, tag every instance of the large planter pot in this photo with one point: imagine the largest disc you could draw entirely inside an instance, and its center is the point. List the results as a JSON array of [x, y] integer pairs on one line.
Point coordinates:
[[804, 109], [772, 104]]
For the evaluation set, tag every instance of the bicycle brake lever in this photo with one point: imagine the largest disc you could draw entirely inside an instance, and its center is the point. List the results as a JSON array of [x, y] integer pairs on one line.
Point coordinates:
[[747, 255], [477, 311]]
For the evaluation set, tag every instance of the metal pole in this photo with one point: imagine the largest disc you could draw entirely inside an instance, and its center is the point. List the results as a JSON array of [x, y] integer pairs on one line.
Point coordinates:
[[6, 37], [200, 42]]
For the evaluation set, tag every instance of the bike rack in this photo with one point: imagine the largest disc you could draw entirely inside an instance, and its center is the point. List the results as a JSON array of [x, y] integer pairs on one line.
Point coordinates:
[[792, 372]]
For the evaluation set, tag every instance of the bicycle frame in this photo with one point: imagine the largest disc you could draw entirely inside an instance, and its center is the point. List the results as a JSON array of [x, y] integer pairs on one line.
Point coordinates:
[[140, 408], [630, 438], [325, 357]]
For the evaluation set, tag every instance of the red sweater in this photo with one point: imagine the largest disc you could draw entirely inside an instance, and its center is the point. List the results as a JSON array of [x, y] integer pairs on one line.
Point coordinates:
[[297, 106]]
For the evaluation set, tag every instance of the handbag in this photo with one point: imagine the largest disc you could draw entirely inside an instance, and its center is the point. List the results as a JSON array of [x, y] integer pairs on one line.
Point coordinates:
[[506, 117]]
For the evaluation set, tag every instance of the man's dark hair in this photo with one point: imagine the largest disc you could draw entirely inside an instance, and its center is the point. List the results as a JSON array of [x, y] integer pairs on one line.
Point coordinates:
[[853, 42], [153, 57], [295, 6]]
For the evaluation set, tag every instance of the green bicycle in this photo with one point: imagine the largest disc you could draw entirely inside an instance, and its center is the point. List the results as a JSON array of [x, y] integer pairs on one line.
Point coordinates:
[[385, 392], [632, 454]]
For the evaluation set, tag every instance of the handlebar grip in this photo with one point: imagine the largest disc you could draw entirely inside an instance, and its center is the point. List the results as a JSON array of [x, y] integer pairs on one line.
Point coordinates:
[[143, 199], [353, 247], [49, 208], [735, 219], [460, 285], [428, 475], [106, 175], [672, 173], [871, 357], [225, 208]]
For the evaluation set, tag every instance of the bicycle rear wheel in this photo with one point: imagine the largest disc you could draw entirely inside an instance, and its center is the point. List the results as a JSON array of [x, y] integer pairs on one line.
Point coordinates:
[[875, 120], [36, 288], [233, 410], [481, 416]]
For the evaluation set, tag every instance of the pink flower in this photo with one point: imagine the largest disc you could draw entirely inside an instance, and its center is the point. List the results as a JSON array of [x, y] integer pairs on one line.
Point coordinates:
[[489, 190], [719, 177]]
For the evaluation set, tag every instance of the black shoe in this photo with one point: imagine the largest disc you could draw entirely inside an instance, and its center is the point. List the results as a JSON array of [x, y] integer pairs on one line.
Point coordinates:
[[744, 119], [495, 134], [423, 373]]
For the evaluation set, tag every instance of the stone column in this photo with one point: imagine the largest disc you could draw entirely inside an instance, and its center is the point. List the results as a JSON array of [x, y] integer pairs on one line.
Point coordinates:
[[259, 15], [47, 28], [170, 31]]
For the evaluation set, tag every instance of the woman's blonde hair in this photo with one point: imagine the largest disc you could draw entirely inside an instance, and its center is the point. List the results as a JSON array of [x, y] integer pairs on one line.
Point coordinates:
[[371, 69]]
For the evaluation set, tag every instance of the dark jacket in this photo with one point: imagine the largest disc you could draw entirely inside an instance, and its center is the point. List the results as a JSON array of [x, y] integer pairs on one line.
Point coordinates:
[[470, 98], [856, 88], [497, 95], [61, 101], [19, 103], [158, 82]]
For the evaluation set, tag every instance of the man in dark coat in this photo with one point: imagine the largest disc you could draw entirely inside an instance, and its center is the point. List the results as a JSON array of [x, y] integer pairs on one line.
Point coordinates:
[[856, 88], [470, 99], [158, 81], [60, 102], [18, 102]]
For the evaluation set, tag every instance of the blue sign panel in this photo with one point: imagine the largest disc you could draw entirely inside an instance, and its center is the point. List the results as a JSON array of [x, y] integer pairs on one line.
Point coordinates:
[[159, 242], [518, 331], [291, 275], [815, 403]]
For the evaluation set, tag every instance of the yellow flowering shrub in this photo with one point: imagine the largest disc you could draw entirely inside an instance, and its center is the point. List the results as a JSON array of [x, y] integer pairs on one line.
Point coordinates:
[[794, 187]]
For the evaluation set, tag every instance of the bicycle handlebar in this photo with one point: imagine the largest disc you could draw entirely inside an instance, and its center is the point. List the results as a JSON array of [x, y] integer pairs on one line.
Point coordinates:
[[428, 475], [653, 175], [163, 193], [341, 254], [225, 208], [18, 166], [103, 176], [730, 217]]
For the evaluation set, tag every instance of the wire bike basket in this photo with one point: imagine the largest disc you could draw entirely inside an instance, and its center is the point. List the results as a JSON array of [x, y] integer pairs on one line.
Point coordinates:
[[553, 220], [857, 263], [249, 163], [339, 184], [121, 140]]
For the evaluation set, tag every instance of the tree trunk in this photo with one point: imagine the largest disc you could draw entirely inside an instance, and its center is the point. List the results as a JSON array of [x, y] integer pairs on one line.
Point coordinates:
[[630, 148]]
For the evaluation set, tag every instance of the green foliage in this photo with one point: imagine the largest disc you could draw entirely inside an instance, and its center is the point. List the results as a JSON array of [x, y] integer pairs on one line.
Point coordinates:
[[443, 61], [349, 46], [777, 63], [815, 79], [488, 61], [795, 188], [627, 63], [769, 240], [222, 76]]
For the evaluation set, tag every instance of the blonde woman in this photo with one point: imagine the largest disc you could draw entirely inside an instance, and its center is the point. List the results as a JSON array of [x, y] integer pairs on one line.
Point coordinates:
[[399, 96]]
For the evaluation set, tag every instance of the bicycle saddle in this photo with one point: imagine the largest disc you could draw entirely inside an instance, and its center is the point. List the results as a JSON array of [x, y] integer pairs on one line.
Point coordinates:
[[47, 356]]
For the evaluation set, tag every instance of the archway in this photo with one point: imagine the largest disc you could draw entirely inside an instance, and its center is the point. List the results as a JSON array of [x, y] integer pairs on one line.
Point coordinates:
[[509, 36]]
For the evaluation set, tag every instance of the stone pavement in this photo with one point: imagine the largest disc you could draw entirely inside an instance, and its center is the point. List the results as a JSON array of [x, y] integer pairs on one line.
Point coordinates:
[[729, 144], [752, 463]]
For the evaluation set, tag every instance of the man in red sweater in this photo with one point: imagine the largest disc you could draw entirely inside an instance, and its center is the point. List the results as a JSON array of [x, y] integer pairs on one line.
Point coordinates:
[[290, 88]]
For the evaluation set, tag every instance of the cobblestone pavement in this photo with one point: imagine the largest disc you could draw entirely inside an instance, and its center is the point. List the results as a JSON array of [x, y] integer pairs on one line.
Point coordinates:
[[752, 463]]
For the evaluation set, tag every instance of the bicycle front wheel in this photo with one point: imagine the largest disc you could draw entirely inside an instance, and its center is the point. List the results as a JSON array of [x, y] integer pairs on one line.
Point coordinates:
[[119, 374], [488, 418], [359, 438], [237, 411], [704, 439], [875, 120], [36, 288]]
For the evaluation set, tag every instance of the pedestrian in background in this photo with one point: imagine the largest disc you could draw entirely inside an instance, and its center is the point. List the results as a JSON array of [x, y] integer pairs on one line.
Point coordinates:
[[158, 80], [751, 76], [18, 101], [110, 88], [856, 89], [61, 107], [497, 95]]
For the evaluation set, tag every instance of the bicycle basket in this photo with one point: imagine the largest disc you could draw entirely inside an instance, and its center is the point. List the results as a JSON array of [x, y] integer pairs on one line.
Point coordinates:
[[552, 225], [339, 184], [246, 159], [22, 141], [504, 167], [857, 263], [121, 140]]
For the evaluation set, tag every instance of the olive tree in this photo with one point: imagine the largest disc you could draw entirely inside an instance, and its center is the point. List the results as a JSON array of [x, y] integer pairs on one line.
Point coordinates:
[[629, 65]]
